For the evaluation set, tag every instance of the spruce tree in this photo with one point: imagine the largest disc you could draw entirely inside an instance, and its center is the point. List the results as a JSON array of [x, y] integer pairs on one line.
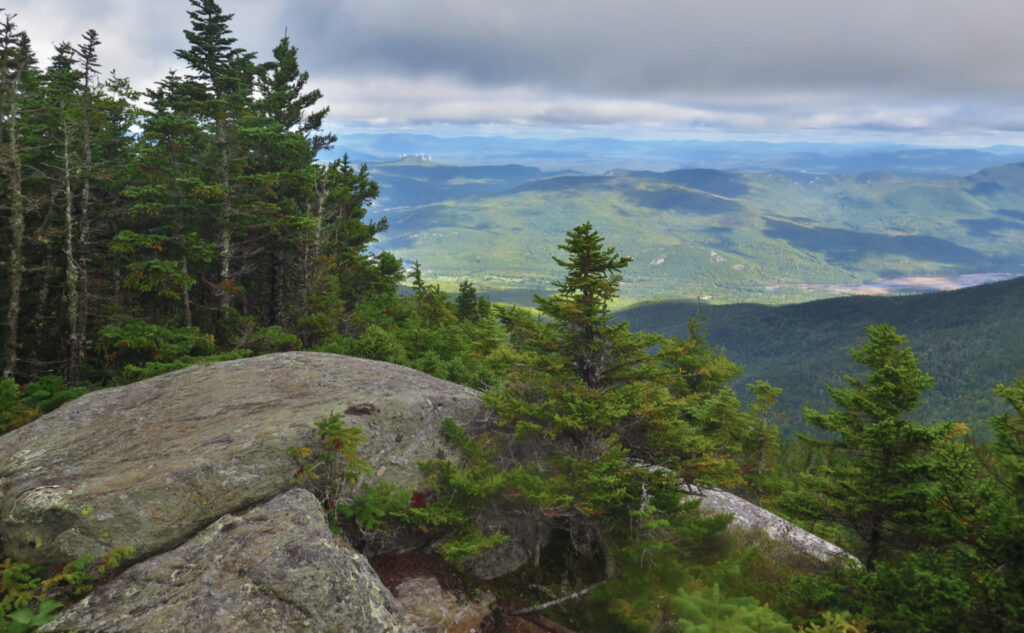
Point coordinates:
[[469, 306], [598, 433], [18, 75], [281, 85], [66, 144], [206, 218], [1002, 539], [879, 485], [220, 85], [109, 112], [1009, 444], [581, 307], [61, 80], [166, 244]]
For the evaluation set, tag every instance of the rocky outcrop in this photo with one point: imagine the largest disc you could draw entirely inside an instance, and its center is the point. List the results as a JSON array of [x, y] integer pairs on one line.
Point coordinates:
[[427, 607], [746, 515], [152, 463], [273, 569], [193, 470], [526, 533]]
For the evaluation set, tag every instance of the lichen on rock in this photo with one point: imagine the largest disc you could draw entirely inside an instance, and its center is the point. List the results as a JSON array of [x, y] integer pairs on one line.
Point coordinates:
[[274, 569], [149, 464]]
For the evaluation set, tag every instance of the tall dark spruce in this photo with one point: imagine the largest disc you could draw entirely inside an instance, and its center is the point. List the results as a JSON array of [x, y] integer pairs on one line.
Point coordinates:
[[17, 73], [880, 488]]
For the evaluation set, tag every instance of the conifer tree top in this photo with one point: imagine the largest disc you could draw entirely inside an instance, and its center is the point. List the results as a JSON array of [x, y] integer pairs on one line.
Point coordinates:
[[212, 55], [592, 272], [580, 307]]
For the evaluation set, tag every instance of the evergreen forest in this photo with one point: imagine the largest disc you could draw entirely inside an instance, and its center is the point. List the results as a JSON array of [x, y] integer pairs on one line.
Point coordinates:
[[959, 336], [195, 222]]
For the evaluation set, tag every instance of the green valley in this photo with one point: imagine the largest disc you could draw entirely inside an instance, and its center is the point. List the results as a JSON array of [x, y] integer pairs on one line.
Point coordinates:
[[725, 237], [415, 180]]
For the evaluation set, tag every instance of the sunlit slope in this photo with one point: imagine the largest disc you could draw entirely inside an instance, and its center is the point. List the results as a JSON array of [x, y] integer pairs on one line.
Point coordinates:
[[414, 181], [723, 236]]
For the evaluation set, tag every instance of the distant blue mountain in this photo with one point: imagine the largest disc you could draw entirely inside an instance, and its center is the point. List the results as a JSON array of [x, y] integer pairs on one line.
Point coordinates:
[[597, 155], [415, 181]]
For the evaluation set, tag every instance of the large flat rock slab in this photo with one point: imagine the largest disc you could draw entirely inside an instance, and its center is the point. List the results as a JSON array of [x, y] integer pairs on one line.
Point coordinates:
[[151, 463], [274, 569], [746, 515]]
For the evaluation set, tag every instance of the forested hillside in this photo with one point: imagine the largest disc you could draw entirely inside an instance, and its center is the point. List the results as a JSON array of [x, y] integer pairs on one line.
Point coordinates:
[[967, 339], [194, 223]]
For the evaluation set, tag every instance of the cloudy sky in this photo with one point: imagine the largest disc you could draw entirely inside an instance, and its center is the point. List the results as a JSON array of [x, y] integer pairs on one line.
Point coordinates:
[[947, 72]]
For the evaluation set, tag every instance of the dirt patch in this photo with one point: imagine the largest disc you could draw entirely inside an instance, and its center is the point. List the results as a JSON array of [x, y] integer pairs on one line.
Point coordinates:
[[394, 568]]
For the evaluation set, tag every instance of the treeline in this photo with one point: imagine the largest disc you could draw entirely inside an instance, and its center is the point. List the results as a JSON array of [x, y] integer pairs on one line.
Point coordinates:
[[200, 221]]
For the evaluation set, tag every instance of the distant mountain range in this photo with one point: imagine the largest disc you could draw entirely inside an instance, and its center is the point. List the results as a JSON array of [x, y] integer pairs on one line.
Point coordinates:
[[968, 340], [415, 181], [596, 155], [721, 236]]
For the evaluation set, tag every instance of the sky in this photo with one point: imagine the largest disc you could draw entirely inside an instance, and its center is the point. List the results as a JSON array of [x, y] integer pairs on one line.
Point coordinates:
[[930, 72]]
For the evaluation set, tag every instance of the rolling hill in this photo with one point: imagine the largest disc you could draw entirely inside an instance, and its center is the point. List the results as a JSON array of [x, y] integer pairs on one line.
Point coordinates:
[[726, 237], [415, 181]]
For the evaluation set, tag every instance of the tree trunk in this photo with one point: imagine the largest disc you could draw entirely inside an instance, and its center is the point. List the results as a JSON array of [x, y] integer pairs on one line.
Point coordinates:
[[277, 290], [35, 364], [225, 271], [71, 272], [16, 264], [186, 304], [81, 324], [312, 252], [874, 543], [226, 247], [321, 204]]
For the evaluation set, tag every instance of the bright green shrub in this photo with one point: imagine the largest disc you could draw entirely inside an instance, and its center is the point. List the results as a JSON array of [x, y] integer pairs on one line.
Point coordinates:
[[14, 412]]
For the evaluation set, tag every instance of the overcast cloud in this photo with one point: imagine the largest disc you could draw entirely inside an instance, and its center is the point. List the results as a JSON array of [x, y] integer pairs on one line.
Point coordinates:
[[929, 70]]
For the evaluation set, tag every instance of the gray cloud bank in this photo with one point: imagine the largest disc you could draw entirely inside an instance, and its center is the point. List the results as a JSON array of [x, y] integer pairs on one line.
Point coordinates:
[[939, 67]]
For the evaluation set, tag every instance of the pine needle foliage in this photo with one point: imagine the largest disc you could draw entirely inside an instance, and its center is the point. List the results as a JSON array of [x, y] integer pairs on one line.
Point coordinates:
[[880, 488], [597, 429]]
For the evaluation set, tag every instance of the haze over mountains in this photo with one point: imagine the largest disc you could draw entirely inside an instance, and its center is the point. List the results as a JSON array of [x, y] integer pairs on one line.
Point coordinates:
[[723, 236], [596, 155]]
